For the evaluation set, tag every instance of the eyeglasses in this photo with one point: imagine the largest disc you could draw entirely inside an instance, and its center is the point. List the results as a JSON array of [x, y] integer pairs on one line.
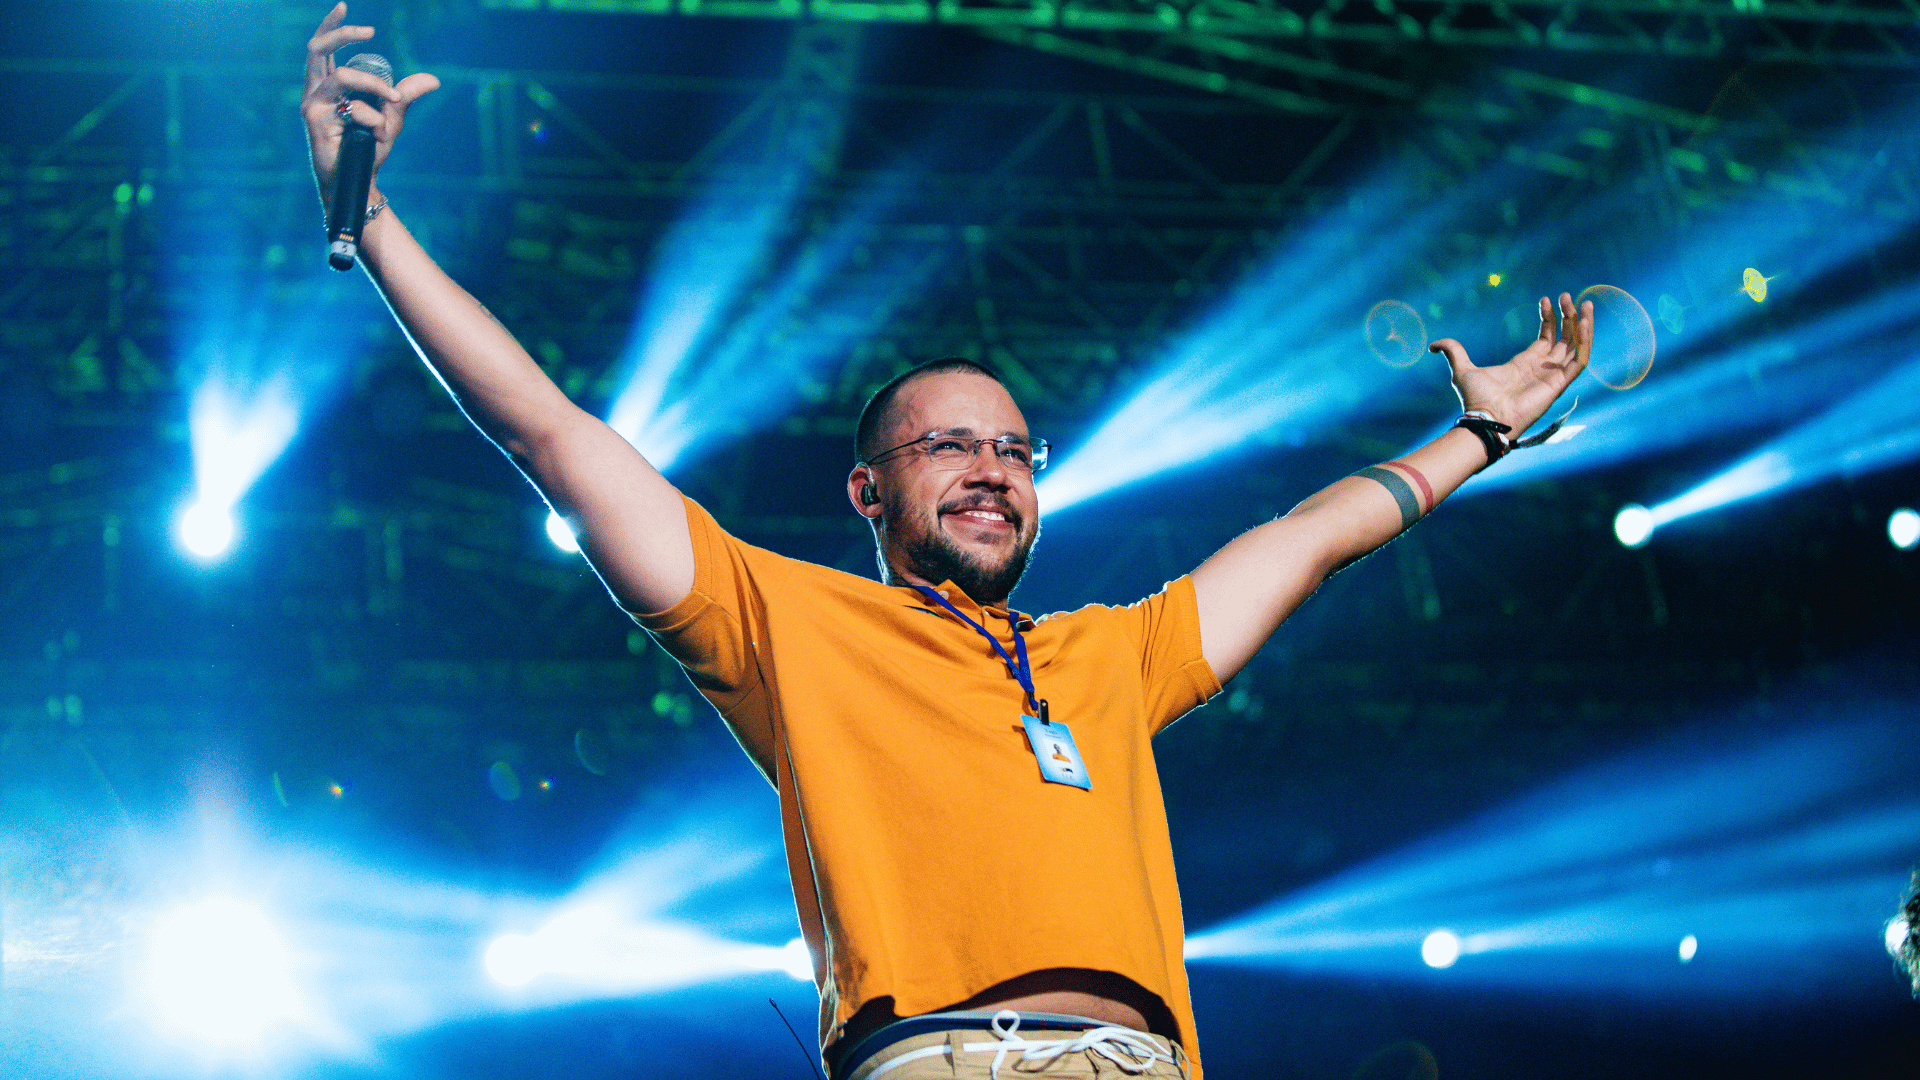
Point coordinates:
[[959, 451]]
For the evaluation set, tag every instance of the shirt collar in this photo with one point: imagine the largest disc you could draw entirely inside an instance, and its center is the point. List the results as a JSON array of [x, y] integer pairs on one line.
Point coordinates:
[[959, 599]]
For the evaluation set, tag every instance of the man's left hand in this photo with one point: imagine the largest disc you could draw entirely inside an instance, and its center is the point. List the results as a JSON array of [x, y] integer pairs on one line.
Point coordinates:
[[1520, 391]]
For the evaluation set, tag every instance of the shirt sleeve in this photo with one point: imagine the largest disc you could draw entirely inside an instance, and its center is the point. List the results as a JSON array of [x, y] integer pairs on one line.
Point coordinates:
[[1174, 674], [718, 631]]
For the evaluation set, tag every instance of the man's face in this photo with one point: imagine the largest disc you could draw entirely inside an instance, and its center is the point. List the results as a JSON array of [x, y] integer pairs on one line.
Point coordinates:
[[973, 525]]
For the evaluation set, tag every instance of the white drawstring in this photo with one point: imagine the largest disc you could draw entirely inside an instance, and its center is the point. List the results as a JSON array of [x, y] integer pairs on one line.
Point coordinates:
[[1125, 1047]]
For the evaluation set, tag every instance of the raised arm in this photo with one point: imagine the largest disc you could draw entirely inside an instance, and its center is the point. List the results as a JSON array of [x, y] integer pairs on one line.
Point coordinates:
[[1248, 588], [630, 521]]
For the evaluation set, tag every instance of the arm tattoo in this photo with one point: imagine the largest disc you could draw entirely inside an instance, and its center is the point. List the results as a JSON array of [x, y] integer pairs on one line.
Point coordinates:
[[1402, 493]]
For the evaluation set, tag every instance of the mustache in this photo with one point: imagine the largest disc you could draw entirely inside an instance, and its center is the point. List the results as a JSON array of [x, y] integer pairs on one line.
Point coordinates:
[[985, 502]]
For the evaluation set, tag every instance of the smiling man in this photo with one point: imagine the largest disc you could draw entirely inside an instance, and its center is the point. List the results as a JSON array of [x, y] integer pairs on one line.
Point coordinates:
[[973, 821]]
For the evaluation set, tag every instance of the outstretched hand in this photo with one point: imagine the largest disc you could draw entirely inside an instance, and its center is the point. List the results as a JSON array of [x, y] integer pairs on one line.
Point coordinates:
[[326, 84], [1520, 391]]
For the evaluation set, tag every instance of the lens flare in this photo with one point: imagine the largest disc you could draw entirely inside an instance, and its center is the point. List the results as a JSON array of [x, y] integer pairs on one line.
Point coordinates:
[[1396, 334], [1689, 946], [1623, 340], [1754, 285]]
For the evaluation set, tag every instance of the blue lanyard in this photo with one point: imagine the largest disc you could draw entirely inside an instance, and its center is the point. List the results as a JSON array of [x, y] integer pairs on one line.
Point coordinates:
[[1022, 672]]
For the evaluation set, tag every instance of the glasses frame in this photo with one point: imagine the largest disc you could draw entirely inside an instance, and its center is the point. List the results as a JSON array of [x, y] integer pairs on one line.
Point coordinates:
[[1040, 449]]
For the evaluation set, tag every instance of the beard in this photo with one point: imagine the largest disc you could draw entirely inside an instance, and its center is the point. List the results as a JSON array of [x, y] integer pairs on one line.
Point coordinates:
[[933, 556]]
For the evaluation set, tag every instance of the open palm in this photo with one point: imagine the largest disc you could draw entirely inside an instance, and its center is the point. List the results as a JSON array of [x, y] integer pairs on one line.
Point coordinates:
[[1520, 391]]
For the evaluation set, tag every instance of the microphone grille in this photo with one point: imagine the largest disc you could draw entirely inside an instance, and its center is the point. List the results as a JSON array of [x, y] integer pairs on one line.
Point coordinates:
[[373, 64]]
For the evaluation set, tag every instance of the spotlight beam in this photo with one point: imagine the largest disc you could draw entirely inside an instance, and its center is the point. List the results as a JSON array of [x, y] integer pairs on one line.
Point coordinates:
[[1873, 429], [1782, 854]]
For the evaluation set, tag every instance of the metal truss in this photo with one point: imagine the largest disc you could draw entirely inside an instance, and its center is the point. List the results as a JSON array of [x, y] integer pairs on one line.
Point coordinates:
[[1876, 33]]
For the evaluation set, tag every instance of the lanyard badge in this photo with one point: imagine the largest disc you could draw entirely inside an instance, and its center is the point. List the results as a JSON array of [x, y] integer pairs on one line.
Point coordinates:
[[1052, 743]]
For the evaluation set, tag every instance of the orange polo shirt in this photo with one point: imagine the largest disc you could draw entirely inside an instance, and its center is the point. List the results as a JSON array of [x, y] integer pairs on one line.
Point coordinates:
[[929, 860]]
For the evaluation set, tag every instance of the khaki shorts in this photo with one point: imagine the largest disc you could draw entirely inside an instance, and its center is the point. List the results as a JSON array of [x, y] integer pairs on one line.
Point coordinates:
[[955, 1062]]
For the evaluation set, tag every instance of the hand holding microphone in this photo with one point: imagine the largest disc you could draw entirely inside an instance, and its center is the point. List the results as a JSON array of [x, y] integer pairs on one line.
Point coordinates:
[[353, 113]]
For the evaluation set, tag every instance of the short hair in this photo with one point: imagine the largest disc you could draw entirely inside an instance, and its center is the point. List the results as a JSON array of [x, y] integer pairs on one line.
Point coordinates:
[[875, 414]]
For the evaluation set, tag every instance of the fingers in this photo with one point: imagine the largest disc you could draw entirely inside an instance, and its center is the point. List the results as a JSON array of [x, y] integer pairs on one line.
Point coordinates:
[[328, 38], [412, 89], [366, 115], [1584, 350], [1546, 321], [1456, 354], [355, 79]]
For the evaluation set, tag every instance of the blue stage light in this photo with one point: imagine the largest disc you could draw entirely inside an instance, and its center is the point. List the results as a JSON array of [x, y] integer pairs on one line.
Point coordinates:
[[1633, 525], [1903, 528], [1876, 428], [1781, 376], [1288, 348], [220, 972], [1440, 949], [1790, 850], [235, 435], [206, 529]]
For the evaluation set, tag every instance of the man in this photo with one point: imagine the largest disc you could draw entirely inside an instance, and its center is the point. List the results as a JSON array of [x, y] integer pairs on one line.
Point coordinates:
[[972, 819]]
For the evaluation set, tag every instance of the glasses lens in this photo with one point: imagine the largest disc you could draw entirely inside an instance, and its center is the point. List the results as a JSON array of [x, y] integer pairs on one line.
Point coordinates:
[[946, 450], [1040, 450]]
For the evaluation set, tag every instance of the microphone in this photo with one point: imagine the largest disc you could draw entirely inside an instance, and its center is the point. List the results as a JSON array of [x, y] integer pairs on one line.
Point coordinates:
[[353, 176]]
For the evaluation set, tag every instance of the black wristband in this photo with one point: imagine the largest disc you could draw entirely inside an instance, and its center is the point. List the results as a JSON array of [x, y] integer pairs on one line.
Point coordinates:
[[1492, 434]]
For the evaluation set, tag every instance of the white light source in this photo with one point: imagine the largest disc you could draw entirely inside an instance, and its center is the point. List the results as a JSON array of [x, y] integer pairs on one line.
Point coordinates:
[[1896, 935], [219, 971], [514, 960], [1440, 949], [206, 529], [1633, 525], [799, 962], [561, 533], [1903, 528], [1688, 946]]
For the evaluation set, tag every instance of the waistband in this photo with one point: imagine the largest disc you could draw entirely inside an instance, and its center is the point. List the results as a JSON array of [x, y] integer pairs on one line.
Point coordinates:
[[964, 1019]]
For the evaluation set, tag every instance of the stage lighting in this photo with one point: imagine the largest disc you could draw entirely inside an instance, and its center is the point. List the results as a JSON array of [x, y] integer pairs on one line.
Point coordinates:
[[1903, 528], [206, 529], [1689, 945], [798, 961], [1788, 850], [1896, 935], [513, 960], [1440, 949], [217, 970], [561, 533], [1633, 525]]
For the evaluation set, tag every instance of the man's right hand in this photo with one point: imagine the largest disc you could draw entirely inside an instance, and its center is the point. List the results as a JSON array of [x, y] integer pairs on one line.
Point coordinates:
[[326, 84]]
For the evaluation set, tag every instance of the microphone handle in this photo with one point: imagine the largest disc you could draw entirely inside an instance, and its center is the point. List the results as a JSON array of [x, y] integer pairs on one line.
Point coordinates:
[[351, 183]]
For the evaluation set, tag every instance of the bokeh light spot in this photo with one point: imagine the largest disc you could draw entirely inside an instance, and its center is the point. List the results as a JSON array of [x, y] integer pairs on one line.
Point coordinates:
[[1689, 945], [1754, 285], [1623, 341], [1395, 333]]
